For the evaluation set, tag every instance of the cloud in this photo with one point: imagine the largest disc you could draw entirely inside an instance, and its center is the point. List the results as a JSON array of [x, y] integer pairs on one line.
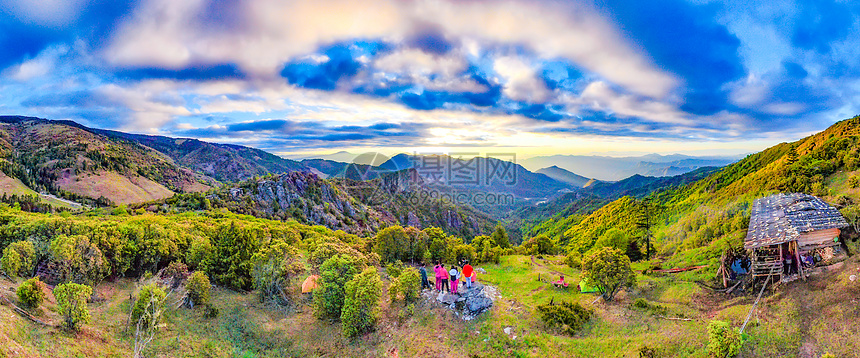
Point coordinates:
[[521, 80]]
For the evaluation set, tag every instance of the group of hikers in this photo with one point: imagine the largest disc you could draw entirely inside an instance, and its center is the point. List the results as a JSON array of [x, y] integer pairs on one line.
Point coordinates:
[[448, 279]]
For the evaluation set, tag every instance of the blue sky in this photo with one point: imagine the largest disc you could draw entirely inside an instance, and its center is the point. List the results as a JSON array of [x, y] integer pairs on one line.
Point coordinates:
[[533, 77]]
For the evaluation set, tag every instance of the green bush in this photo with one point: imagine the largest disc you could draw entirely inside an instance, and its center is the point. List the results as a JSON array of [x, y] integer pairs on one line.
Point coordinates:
[[394, 269], [407, 285], [79, 260], [231, 261], [19, 259], [329, 294], [391, 244], [198, 288], [574, 259], [361, 303], [608, 269], [328, 250], [72, 300], [149, 300], [175, 274], [566, 316], [31, 293], [723, 340], [648, 307]]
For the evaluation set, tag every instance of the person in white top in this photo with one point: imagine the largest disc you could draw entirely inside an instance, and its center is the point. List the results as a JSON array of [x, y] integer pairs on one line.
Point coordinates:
[[455, 275]]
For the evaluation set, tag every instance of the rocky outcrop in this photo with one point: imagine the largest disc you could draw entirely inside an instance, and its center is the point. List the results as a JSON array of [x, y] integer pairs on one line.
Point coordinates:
[[469, 303]]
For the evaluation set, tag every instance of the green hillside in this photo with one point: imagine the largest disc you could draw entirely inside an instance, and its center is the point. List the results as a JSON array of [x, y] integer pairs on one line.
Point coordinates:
[[694, 223]]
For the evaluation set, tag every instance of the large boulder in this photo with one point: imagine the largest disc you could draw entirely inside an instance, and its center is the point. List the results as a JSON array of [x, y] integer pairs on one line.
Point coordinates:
[[469, 303]]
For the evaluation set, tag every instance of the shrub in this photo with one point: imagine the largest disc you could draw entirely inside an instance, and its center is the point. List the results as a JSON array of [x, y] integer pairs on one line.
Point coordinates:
[[275, 267], [328, 250], [175, 274], [80, 260], [408, 284], [148, 302], [566, 316], [31, 293], [210, 311], [72, 300], [198, 288], [361, 303], [573, 259], [648, 307], [19, 259], [329, 294], [394, 269], [609, 270], [723, 340]]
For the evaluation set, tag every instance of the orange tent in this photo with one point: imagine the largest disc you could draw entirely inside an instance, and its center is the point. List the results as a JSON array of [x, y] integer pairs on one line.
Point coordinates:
[[310, 284]]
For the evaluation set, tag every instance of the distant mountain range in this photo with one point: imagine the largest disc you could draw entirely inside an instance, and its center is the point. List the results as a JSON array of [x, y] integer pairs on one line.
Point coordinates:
[[566, 176], [616, 168]]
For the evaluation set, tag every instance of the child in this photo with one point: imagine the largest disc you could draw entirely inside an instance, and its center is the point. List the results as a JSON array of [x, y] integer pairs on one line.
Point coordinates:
[[438, 277], [423, 272], [455, 275], [444, 277]]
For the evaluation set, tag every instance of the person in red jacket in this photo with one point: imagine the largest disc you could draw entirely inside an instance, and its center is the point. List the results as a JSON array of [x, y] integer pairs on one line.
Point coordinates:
[[467, 275]]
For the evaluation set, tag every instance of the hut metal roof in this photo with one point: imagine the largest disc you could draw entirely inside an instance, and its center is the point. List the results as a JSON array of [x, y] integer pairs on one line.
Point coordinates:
[[782, 218]]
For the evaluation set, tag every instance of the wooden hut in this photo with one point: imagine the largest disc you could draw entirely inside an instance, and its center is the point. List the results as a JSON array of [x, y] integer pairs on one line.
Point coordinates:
[[795, 224]]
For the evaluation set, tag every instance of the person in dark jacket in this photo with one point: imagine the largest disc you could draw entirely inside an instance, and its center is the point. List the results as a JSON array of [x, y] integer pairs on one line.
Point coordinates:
[[424, 282]]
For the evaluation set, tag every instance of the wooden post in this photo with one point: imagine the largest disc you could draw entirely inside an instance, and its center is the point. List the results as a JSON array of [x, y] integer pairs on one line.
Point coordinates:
[[782, 269], [797, 257]]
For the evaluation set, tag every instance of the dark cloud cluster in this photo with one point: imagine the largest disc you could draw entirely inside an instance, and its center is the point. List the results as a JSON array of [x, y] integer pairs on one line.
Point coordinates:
[[288, 133]]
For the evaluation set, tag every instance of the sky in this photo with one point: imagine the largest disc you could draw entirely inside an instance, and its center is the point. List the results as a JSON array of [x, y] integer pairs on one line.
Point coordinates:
[[302, 78]]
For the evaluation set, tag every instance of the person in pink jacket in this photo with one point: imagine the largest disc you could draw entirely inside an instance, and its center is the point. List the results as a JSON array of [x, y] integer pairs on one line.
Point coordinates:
[[436, 270], [444, 280]]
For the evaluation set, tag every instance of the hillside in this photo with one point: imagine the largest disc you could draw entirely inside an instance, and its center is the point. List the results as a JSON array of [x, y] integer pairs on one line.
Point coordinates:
[[224, 162], [62, 159], [359, 207], [565, 176], [696, 221]]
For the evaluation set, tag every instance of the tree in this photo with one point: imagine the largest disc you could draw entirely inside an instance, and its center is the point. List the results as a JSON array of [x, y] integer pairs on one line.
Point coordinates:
[[80, 260], [361, 303], [647, 210], [19, 259], [197, 288], [609, 270], [500, 237], [72, 299], [231, 262], [614, 238], [391, 244], [31, 293], [539, 245], [329, 294], [275, 267], [437, 241], [149, 298], [416, 244], [146, 314]]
